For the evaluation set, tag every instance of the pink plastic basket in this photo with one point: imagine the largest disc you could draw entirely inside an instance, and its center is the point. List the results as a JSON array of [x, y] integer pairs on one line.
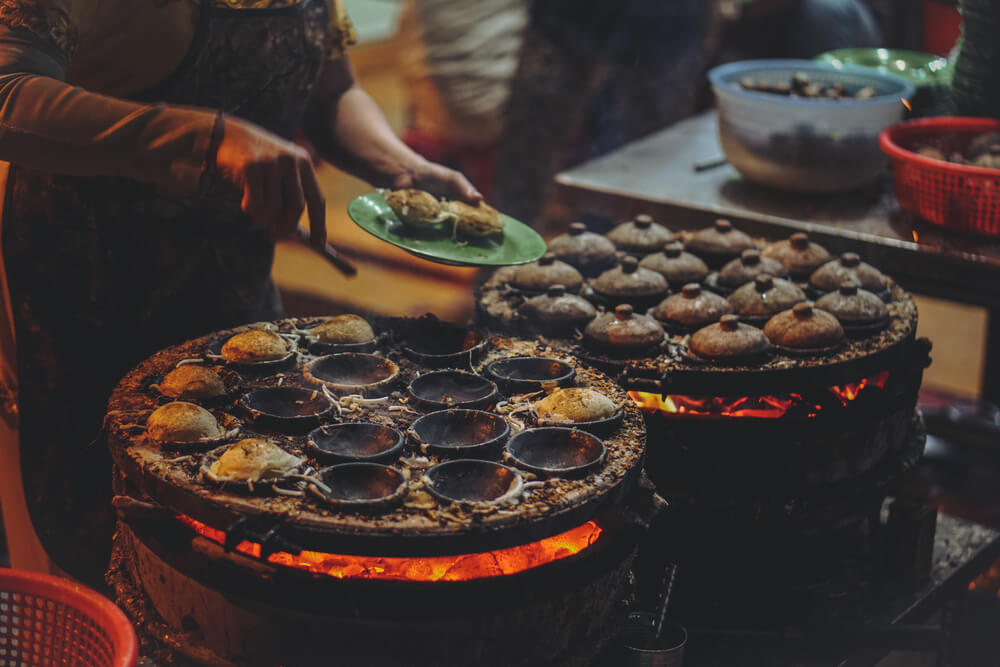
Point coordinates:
[[53, 622], [963, 198]]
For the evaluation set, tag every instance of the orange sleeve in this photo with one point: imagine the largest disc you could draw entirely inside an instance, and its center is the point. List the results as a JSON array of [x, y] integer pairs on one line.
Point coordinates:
[[49, 125]]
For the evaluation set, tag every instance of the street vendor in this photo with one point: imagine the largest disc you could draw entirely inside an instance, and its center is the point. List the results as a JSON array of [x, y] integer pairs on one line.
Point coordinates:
[[148, 169]]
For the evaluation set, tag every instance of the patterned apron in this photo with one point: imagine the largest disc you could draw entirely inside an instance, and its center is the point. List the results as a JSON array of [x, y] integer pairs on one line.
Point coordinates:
[[103, 272]]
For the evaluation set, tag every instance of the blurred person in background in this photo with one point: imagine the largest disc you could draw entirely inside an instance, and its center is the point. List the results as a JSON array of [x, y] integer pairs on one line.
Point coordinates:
[[459, 61]]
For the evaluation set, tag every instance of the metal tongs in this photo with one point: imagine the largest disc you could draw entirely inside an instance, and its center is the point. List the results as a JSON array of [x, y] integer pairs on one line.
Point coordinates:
[[331, 254]]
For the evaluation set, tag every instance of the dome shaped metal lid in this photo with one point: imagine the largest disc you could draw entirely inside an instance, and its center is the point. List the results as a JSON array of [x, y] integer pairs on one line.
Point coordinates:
[[799, 255], [624, 328], [832, 275], [854, 306], [765, 296], [641, 235], [692, 307], [676, 265], [804, 327], [748, 266], [587, 251], [547, 271], [629, 279], [557, 307], [728, 339], [719, 239]]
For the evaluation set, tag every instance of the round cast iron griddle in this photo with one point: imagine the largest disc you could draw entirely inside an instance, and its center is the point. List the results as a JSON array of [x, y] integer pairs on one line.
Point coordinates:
[[421, 525]]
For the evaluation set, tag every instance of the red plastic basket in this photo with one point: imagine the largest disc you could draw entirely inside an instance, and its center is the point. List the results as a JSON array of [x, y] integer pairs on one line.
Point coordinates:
[[966, 199], [47, 621]]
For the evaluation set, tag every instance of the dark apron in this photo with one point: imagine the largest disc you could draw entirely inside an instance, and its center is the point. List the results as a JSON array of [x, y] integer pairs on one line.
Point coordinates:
[[103, 272]]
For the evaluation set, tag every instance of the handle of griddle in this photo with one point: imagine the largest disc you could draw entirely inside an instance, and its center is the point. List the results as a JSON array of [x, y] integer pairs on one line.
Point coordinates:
[[331, 254]]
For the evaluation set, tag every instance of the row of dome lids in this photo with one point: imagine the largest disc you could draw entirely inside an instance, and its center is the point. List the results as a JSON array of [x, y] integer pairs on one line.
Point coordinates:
[[663, 259]]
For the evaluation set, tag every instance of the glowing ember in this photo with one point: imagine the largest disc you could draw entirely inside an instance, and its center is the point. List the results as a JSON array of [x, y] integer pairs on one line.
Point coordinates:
[[462, 567], [760, 407]]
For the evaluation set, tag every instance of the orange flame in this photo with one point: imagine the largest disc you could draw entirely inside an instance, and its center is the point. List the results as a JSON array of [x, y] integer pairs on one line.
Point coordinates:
[[906, 103], [462, 567], [760, 407]]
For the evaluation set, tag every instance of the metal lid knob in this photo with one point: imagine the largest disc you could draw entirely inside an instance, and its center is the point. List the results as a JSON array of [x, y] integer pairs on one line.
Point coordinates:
[[799, 240], [850, 287], [673, 250], [630, 265], [643, 221], [556, 290], [750, 257], [729, 322], [763, 282], [577, 228], [691, 291], [623, 311], [850, 259], [547, 259], [723, 225], [803, 310]]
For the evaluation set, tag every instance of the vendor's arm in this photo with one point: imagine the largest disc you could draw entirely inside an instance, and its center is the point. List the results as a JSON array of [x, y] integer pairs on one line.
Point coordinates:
[[348, 129], [49, 125]]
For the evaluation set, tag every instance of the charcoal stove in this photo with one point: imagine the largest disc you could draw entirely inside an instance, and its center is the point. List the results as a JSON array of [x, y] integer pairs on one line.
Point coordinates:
[[777, 464], [422, 554]]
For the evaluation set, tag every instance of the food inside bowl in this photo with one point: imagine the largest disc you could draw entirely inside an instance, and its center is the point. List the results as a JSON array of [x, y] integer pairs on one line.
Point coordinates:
[[800, 86], [982, 151]]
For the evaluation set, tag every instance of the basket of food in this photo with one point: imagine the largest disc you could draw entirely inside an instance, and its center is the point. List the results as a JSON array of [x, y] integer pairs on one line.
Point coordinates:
[[947, 171], [806, 126], [45, 620]]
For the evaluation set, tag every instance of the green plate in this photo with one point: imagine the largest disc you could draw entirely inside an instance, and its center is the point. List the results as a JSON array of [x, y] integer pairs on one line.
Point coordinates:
[[920, 69], [518, 244]]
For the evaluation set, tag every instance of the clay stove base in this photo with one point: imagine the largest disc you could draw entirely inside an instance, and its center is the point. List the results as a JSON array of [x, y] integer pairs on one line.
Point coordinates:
[[564, 621]]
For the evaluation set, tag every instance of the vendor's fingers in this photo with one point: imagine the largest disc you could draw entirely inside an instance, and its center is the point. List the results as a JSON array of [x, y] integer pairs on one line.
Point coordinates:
[[253, 198], [315, 204], [293, 201]]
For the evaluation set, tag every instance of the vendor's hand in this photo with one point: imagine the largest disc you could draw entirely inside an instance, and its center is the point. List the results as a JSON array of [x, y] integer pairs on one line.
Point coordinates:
[[276, 177], [439, 180]]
